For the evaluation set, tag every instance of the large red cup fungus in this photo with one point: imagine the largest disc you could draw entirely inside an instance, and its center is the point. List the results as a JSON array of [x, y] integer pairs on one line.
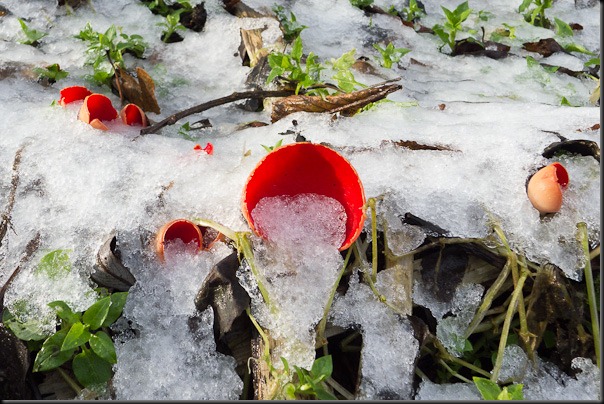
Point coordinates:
[[179, 229], [132, 114], [301, 168], [74, 93], [545, 188], [95, 109]]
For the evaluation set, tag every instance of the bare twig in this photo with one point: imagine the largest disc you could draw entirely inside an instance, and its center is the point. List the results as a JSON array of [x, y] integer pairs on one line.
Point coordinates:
[[236, 96], [11, 197], [29, 250]]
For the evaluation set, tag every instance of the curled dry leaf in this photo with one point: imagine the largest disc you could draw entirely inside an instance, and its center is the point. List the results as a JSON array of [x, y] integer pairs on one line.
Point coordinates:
[[73, 93], [139, 91], [348, 104], [132, 115], [545, 47], [95, 109]]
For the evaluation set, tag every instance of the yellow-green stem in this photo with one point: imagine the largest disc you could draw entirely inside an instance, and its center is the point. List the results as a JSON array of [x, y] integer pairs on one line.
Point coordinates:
[[323, 323], [591, 291], [374, 246], [216, 226], [74, 386], [244, 244], [448, 357], [506, 324], [454, 373]]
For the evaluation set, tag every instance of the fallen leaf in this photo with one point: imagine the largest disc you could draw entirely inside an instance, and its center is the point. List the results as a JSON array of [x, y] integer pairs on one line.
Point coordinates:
[[196, 19], [139, 91], [490, 49], [348, 104], [545, 47]]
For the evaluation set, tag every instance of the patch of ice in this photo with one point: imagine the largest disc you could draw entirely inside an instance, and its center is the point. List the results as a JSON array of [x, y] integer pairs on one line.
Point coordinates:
[[449, 391]]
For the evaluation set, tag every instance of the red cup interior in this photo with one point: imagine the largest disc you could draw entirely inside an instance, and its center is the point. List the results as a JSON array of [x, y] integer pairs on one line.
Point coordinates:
[[561, 174], [73, 93], [307, 168], [183, 230], [133, 115], [100, 107]]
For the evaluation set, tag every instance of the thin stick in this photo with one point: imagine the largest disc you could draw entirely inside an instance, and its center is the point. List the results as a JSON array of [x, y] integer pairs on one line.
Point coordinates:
[[11, 196], [236, 96]]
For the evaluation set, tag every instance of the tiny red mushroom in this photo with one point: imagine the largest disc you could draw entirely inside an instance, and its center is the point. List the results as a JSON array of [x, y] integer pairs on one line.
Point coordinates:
[[95, 109], [179, 229], [209, 149], [545, 188], [132, 114], [74, 93]]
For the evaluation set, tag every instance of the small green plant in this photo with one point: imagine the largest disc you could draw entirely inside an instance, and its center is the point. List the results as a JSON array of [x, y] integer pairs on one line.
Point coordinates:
[[361, 3], [448, 31], [390, 54], [310, 384], [32, 36], [536, 15], [411, 13], [271, 148], [290, 27], [52, 73], [109, 45], [290, 67], [508, 31], [491, 390], [343, 75], [171, 24]]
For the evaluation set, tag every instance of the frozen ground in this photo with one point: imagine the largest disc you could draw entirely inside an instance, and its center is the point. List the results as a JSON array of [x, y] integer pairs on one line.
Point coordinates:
[[77, 184]]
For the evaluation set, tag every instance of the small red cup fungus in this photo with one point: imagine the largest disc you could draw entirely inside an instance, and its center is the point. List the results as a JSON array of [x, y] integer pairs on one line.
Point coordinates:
[[301, 168], [179, 229], [97, 108], [545, 188], [132, 115], [74, 93]]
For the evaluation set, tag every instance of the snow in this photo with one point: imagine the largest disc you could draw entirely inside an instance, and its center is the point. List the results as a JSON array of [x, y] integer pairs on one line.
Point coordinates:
[[78, 184]]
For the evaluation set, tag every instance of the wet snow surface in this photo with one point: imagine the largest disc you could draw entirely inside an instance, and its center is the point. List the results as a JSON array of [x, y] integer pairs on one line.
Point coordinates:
[[77, 184]]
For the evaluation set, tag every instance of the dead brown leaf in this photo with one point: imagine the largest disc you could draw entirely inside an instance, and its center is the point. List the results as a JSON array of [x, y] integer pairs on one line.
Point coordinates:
[[139, 91], [348, 104], [545, 47]]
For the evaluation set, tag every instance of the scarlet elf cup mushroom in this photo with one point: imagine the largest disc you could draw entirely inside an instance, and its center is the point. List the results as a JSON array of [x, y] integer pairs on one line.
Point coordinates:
[[179, 229], [545, 188], [95, 109], [307, 168]]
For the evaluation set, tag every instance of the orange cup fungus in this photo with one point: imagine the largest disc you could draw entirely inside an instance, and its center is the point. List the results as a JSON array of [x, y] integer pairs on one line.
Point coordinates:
[[305, 167], [74, 93], [179, 229], [545, 188], [97, 108], [132, 114]]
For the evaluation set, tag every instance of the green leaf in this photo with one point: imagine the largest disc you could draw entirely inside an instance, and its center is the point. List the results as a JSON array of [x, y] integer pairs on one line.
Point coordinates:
[[345, 61], [77, 336], [50, 355], [322, 394], [30, 330], [54, 264], [64, 312], [562, 28], [96, 314], [89, 368], [574, 47], [524, 5], [296, 52], [102, 345], [531, 61], [488, 389], [564, 102], [592, 62], [321, 368], [118, 300], [515, 391]]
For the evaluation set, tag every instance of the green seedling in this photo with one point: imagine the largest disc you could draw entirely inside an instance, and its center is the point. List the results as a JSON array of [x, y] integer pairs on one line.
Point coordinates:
[[290, 27], [171, 24], [390, 54], [536, 15], [271, 148], [109, 45], [289, 66], [310, 384], [508, 31], [411, 13], [32, 36], [52, 73], [448, 31], [343, 74], [491, 390], [361, 3]]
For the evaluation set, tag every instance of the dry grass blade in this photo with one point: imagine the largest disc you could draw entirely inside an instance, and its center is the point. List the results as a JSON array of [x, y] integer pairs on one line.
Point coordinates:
[[348, 104]]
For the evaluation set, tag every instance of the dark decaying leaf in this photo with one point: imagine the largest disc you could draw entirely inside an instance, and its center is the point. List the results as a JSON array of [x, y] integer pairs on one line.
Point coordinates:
[[577, 146], [109, 270], [221, 290], [196, 19], [443, 269], [347, 104], [139, 91], [240, 9], [71, 3], [545, 47], [493, 50], [403, 144], [4, 11], [14, 363], [430, 228], [251, 49]]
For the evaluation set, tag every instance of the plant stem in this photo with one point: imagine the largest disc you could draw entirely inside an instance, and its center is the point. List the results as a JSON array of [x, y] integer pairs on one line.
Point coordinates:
[[448, 357], [216, 226], [454, 373], [374, 247], [594, 253], [339, 388], [506, 324], [243, 243], [74, 386], [323, 323], [591, 292]]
